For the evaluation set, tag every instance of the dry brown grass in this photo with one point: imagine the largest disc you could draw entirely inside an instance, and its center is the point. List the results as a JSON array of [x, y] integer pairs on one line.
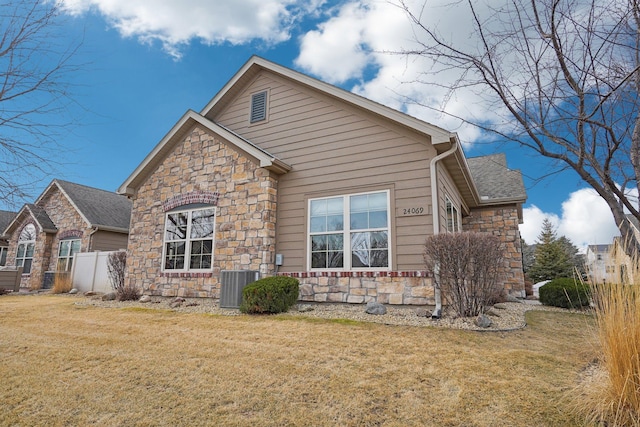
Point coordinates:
[[67, 364]]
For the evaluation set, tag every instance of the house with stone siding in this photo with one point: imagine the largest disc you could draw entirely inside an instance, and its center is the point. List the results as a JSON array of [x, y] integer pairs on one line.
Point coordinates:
[[283, 174], [65, 219]]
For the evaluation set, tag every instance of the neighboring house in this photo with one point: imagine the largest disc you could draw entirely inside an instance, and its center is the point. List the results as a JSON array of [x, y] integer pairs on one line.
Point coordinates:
[[284, 174], [599, 264], [66, 219], [5, 219]]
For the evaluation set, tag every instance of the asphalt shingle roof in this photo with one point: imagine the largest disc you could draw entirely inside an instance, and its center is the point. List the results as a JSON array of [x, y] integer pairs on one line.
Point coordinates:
[[5, 219], [41, 216], [494, 180], [101, 208]]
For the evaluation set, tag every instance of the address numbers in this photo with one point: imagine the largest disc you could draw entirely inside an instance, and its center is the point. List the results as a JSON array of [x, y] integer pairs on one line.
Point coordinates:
[[412, 211]]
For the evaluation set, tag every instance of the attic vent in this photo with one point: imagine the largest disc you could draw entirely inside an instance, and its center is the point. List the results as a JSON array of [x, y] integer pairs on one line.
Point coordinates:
[[258, 106]]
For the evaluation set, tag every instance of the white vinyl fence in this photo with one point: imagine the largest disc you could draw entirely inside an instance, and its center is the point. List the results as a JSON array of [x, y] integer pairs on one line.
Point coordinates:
[[89, 272]]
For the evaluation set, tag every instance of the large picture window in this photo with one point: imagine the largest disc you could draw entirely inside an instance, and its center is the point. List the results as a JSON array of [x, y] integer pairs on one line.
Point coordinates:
[[26, 248], [349, 232], [189, 239], [66, 250]]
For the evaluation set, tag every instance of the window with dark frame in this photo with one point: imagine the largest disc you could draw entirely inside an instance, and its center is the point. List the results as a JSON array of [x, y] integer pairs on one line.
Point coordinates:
[[26, 248]]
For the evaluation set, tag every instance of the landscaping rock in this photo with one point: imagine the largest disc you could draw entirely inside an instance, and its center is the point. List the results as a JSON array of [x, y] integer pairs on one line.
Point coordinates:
[[482, 321], [500, 306], [89, 293], [177, 302], [111, 296], [511, 298], [303, 308], [422, 312], [73, 291], [375, 308], [145, 298], [492, 312]]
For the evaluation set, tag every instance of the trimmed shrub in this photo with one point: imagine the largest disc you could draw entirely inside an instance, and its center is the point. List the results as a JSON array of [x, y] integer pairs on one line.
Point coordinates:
[[565, 293], [270, 295]]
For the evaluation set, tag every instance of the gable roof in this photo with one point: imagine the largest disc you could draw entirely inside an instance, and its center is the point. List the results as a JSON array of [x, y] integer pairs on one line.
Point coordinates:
[[101, 209], [256, 64], [599, 248], [496, 183], [42, 220], [178, 132]]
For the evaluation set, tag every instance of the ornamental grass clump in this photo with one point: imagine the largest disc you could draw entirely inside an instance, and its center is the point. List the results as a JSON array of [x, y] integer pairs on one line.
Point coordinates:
[[614, 400], [270, 295], [61, 283]]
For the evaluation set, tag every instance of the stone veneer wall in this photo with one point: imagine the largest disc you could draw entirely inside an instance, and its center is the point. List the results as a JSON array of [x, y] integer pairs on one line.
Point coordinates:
[[502, 222], [199, 167], [68, 223], [393, 287]]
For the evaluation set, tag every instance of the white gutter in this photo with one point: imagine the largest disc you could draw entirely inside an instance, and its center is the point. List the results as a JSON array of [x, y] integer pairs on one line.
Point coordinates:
[[437, 312]]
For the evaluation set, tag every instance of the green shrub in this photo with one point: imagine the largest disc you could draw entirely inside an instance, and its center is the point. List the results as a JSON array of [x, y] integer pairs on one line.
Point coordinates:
[[270, 295], [565, 293]]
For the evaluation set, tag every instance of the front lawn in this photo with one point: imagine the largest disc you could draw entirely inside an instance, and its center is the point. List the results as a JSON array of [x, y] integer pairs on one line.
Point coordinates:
[[67, 364]]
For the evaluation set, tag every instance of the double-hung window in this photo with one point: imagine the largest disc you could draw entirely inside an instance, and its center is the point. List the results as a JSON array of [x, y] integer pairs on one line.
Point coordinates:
[[66, 250], [453, 217], [189, 239], [350, 232], [26, 248]]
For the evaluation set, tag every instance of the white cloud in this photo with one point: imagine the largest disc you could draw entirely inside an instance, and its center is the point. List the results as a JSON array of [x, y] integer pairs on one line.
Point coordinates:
[[585, 220], [175, 23], [368, 33]]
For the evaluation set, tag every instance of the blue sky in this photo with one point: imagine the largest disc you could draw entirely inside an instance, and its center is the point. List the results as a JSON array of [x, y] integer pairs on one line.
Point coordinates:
[[145, 62]]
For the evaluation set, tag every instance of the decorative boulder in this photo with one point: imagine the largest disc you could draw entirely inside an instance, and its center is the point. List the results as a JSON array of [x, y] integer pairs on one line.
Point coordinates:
[[177, 302], [375, 308], [73, 291], [483, 321], [111, 296], [304, 308], [422, 312], [145, 298]]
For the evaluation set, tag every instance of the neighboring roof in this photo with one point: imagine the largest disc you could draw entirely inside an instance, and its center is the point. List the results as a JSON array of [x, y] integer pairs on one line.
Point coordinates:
[[43, 222], [178, 132], [496, 183], [5, 219], [102, 209], [599, 248]]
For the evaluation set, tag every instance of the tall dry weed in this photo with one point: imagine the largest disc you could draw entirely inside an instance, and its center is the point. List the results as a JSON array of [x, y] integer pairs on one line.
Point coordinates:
[[615, 398], [61, 283]]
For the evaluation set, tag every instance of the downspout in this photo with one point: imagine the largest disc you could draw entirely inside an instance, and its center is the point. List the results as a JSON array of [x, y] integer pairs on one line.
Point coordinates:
[[437, 312]]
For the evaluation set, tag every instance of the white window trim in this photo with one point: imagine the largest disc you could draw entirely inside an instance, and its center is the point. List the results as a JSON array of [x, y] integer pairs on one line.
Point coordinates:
[[346, 232], [188, 241], [457, 223], [69, 257], [26, 243]]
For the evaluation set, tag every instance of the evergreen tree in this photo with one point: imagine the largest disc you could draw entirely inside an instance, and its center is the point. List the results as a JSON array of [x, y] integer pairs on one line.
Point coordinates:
[[551, 260]]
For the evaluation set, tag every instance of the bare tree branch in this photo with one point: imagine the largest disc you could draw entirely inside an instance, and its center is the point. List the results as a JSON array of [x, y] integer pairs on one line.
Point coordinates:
[[564, 78], [34, 96]]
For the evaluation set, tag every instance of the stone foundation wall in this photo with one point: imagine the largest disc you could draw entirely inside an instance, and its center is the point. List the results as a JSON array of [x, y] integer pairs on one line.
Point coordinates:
[[502, 222], [396, 288]]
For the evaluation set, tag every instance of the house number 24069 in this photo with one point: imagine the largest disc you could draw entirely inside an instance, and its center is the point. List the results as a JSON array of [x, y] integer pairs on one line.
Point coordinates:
[[412, 211]]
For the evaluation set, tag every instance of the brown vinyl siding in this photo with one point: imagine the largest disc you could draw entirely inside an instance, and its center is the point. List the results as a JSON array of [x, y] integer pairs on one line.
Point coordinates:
[[108, 241], [337, 149]]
